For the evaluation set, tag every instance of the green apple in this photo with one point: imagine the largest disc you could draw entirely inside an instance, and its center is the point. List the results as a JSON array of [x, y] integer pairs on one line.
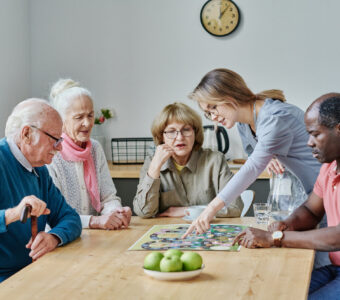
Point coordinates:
[[191, 261], [171, 264], [152, 261], [173, 252]]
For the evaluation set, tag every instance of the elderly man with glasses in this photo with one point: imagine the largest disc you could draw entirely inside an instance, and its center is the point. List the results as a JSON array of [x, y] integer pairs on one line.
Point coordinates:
[[32, 139]]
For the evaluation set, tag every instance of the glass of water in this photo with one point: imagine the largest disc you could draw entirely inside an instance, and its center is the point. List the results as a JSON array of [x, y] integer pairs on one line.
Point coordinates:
[[262, 212]]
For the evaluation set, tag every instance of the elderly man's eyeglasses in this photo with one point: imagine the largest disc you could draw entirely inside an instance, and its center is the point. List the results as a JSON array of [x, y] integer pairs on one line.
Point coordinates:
[[57, 141], [172, 134], [212, 113]]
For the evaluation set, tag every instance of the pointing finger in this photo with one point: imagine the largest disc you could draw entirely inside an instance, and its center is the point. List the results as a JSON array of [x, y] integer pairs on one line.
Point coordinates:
[[190, 230]]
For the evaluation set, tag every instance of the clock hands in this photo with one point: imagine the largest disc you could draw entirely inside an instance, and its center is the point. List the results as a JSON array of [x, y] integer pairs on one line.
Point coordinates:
[[220, 17], [222, 12]]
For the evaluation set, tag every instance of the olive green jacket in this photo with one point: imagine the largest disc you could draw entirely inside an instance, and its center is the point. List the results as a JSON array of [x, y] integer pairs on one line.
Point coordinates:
[[205, 174]]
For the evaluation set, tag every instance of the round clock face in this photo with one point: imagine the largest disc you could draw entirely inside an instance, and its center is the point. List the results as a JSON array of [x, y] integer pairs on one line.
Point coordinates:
[[220, 17]]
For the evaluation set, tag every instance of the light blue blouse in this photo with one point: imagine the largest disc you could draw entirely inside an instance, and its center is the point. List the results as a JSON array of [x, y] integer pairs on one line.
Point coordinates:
[[280, 132]]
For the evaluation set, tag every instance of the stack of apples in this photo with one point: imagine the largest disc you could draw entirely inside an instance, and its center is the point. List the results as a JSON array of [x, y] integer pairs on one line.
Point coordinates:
[[173, 260]]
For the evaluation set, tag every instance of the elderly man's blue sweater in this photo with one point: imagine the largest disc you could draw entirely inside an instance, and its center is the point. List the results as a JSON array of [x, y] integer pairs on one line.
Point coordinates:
[[16, 183]]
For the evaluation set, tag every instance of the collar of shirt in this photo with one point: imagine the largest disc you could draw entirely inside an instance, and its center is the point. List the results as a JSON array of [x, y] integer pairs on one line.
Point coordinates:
[[191, 165], [20, 157], [333, 174]]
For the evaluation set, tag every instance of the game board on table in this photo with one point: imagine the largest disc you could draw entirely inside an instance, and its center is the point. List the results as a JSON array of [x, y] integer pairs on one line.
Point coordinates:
[[164, 237]]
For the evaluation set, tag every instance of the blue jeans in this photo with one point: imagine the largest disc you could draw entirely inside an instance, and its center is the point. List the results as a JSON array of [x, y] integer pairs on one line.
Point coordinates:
[[325, 283]]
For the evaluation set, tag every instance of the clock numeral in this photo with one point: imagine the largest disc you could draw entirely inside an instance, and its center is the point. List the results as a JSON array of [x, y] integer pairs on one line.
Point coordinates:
[[233, 15], [220, 29], [209, 23], [231, 22], [227, 27]]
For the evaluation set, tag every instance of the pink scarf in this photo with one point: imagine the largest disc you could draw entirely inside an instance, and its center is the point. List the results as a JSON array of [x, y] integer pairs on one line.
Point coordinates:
[[72, 152]]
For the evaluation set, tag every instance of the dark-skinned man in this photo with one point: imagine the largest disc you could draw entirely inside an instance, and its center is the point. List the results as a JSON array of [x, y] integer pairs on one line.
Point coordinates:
[[322, 120]]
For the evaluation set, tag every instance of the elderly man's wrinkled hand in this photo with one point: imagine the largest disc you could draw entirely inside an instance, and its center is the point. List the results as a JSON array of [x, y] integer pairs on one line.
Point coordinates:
[[254, 238], [43, 243], [38, 209], [38, 206]]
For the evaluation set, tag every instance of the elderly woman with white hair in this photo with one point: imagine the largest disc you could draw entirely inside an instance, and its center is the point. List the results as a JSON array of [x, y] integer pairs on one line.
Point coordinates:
[[80, 169]]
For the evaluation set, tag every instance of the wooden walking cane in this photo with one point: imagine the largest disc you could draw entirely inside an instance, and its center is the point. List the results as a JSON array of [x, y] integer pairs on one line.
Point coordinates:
[[34, 220]]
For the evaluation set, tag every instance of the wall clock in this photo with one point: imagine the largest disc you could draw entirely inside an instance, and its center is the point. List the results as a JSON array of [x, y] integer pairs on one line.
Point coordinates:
[[220, 17]]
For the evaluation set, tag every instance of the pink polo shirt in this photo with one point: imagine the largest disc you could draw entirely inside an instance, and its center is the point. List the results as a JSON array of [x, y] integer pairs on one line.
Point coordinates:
[[327, 187]]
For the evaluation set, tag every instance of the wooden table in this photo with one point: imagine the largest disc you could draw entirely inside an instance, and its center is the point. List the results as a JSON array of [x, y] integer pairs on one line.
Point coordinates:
[[98, 266]]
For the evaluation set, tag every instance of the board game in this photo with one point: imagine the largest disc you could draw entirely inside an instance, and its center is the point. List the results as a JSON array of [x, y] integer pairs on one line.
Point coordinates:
[[164, 237]]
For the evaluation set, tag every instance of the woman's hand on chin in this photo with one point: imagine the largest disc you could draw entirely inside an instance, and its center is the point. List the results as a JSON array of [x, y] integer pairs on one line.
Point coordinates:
[[162, 154], [202, 223], [174, 212]]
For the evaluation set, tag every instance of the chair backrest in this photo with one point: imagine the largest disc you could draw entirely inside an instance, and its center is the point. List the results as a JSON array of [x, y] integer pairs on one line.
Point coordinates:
[[247, 197]]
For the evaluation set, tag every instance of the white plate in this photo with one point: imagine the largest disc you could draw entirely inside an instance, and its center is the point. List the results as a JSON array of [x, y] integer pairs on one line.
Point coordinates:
[[187, 218], [235, 166], [173, 275]]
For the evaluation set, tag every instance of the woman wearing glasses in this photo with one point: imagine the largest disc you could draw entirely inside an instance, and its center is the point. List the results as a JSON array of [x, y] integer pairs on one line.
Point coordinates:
[[269, 128], [80, 169], [181, 173]]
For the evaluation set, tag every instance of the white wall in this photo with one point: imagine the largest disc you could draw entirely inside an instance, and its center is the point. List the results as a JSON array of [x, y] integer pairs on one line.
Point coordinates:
[[14, 56], [137, 56]]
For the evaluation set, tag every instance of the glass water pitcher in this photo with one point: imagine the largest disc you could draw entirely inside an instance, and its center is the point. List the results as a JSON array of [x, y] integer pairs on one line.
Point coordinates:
[[286, 194]]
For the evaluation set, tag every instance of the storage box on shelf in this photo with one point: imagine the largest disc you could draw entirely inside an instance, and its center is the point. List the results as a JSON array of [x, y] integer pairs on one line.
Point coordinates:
[[131, 150]]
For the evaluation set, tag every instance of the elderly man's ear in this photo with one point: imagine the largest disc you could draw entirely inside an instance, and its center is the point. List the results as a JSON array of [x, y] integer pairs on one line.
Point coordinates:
[[26, 135]]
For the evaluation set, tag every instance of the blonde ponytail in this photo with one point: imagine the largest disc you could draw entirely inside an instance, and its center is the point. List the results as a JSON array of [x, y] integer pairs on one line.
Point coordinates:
[[273, 94]]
